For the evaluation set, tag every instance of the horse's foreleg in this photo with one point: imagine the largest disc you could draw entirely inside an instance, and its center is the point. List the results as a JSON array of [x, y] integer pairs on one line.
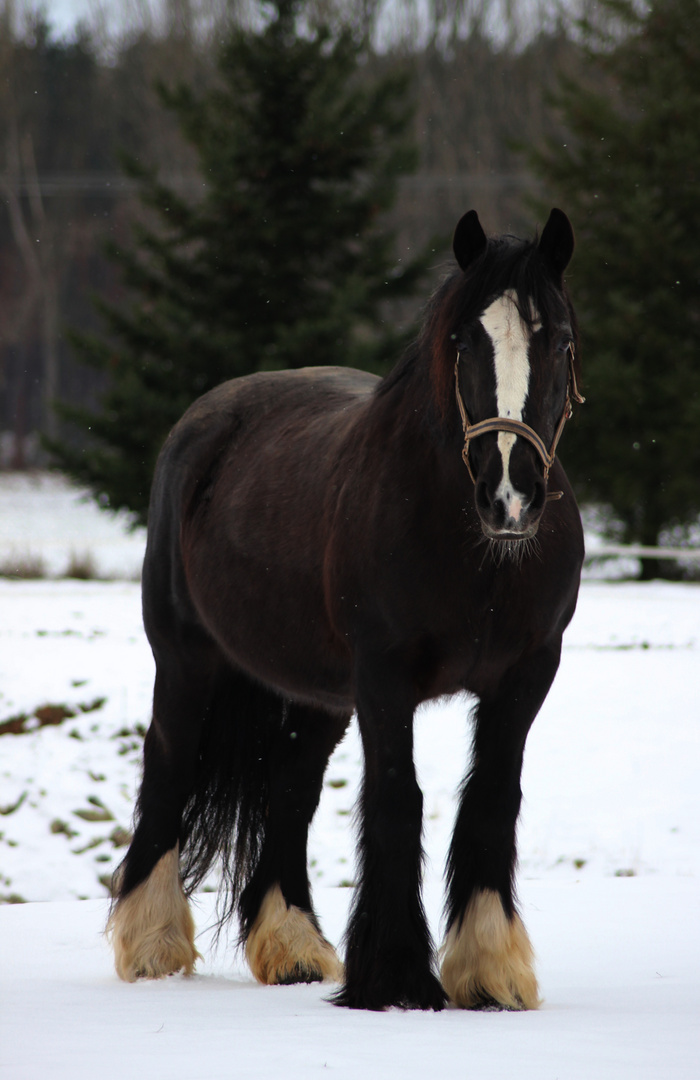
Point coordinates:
[[389, 956], [487, 958], [151, 926], [284, 943]]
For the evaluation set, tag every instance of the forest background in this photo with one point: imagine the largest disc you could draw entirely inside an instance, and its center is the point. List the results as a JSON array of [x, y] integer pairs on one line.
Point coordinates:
[[513, 101]]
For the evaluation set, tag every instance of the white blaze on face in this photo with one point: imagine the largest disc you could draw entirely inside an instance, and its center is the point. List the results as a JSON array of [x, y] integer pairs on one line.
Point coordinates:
[[511, 339]]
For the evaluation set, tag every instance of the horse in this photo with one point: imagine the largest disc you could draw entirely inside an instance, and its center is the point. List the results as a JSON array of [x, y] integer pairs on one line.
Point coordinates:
[[322, 542]]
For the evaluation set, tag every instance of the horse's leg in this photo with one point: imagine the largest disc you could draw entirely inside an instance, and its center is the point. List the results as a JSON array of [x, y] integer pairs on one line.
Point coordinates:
[[487, 958], [389, 954], [284, 943], [150, 925]]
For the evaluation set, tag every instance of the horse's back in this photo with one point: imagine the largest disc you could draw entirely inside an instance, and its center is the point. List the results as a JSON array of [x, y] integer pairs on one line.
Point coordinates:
[[254, 397], [233, 413]]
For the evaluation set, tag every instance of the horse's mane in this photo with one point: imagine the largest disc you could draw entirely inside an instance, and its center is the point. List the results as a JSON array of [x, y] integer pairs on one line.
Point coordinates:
[[506, 263]]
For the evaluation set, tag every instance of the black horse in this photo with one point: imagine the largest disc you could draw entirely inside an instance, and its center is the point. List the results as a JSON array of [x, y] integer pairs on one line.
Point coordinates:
[[321, 541]]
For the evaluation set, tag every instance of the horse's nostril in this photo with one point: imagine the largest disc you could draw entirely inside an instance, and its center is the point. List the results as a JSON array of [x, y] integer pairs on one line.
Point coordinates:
[[539, 495], [483, 499]]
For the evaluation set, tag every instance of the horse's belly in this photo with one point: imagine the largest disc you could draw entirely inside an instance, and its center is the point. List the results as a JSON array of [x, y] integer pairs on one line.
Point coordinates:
[[283, 640]]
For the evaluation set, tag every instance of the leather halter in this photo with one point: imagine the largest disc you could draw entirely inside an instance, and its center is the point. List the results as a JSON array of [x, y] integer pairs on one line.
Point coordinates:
[[518, 427]]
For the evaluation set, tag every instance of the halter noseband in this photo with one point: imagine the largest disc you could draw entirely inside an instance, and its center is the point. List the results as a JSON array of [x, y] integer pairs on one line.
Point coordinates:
[[518, 427]]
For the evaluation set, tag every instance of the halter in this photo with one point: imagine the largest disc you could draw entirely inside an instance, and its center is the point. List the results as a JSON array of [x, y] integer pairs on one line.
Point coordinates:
[[518, 427]]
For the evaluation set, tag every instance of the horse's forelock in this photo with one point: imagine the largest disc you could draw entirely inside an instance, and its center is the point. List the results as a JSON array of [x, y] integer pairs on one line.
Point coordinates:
[[461, 298]]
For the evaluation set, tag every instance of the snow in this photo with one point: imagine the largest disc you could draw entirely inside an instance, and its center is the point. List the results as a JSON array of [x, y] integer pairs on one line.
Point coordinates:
[[609, 849], [620, 981], [42, 516]]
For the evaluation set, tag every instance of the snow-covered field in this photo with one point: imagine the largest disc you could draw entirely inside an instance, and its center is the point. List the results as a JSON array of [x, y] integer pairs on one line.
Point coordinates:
[[609, 848]]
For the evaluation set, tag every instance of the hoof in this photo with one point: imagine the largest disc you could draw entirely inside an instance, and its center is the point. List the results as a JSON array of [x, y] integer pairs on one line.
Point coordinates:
[[386, 993], [487, 960], [285, 946], [300, 974]]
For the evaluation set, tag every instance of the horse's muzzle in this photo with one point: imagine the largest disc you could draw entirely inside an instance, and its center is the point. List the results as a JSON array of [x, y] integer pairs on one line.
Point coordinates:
[[509, 520]]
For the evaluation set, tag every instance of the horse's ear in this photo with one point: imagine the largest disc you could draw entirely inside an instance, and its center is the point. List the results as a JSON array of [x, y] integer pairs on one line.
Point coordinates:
[[469, 239], [557, 241]]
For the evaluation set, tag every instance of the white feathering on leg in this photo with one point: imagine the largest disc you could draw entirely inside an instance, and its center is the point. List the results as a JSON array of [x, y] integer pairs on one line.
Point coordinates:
[[285, 946], [489, 958], [152, 929]]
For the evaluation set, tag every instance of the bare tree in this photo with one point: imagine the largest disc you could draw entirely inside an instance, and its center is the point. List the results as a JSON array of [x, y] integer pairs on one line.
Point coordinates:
[[34, 236]]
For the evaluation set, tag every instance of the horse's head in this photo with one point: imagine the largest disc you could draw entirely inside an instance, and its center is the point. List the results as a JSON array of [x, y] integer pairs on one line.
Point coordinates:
[[514, 376]]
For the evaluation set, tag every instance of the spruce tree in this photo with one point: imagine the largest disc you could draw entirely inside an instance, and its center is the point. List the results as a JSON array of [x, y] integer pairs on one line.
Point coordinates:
[[627, 174], [282, 261]]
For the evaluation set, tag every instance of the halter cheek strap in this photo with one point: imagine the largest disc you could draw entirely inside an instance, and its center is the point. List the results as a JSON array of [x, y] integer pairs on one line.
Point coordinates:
[[518, 427]]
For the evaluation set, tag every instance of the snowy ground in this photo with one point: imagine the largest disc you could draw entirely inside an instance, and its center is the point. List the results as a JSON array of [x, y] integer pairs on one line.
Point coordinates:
[[609, 845], [44, 519]]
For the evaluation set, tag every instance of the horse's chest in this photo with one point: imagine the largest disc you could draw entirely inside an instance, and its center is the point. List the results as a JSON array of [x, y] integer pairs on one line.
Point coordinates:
[[479, 631]]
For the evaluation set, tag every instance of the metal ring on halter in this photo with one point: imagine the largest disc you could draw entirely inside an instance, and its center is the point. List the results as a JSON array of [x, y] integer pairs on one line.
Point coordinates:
[[518, 427]]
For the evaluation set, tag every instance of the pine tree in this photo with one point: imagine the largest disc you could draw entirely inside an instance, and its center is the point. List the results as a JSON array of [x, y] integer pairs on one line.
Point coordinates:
[[628, 176], [282, 261]]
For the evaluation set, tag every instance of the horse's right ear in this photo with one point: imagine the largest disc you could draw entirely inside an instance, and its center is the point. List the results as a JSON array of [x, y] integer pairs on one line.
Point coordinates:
[[469, 239]]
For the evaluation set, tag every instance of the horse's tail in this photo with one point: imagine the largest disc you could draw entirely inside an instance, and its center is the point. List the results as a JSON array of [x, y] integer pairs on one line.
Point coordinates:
[[225, 815]]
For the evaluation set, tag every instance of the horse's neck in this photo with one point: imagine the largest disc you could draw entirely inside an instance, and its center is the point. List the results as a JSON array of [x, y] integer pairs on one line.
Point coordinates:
[[407, 427]]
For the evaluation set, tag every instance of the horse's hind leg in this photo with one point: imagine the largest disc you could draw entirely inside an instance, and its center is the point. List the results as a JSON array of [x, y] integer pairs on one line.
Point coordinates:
[[487, 958], [151, 926], [283, 940]]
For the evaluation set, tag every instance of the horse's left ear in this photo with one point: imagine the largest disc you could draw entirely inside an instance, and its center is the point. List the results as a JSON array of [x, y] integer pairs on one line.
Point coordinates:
[[469, 239], [557, 241]]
